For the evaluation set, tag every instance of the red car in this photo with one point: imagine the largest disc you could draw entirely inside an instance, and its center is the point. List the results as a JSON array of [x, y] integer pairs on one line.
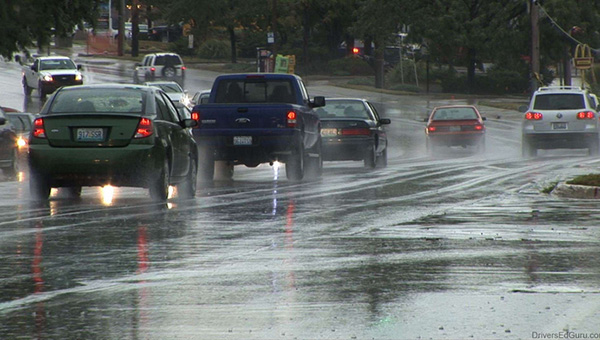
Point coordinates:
[[455, 125]]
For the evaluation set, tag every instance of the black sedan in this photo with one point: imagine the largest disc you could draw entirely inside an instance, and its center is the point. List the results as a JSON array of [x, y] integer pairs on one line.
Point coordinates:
[[112, 134], [351, 129]]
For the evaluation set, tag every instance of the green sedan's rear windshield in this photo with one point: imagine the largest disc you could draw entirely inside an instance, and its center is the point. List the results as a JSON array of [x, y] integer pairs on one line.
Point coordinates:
[[98, 101]]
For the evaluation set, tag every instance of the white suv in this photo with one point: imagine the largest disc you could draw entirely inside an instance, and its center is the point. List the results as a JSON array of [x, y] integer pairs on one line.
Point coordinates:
[[564, 117], [159, 66]]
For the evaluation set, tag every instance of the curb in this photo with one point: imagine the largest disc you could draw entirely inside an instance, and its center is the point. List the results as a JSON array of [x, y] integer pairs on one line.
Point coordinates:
[[576, 191]]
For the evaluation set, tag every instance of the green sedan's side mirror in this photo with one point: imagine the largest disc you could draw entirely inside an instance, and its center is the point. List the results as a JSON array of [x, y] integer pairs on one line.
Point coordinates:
[[385, 121], [189, 123]]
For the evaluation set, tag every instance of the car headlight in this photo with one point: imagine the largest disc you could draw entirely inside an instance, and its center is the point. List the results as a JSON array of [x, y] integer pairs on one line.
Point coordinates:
[[47, 77], [78, 76]]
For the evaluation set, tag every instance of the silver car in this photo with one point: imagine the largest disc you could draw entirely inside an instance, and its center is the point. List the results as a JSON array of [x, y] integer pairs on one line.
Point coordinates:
[[564, 117]]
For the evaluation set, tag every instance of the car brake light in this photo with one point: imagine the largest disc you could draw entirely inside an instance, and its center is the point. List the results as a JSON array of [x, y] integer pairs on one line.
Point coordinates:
[[431, 128], [144, 128], [478, 127], [533, 116], [356, 132], [38, 128], [183, 68], [586, 115], [291, 119], [196, 117], [153, 69]]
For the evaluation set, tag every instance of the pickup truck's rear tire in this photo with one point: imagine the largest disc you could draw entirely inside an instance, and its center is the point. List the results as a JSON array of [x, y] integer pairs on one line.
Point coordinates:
[[313, 164], [294, 166], [206, 164], [26, 88]]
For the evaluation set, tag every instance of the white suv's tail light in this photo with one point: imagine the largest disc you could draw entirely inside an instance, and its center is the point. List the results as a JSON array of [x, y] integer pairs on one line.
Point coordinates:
[[586, 115], [534, 116]]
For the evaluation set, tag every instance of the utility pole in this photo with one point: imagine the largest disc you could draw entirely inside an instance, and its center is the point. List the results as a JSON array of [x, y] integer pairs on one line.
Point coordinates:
[[535, 45], [135, 20], [121, 38]]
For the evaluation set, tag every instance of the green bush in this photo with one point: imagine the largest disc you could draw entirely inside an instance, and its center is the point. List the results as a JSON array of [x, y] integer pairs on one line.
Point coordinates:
[[363, 81], [406, 69], [215, 49], [350, 66], [180, 46], [494, 82]]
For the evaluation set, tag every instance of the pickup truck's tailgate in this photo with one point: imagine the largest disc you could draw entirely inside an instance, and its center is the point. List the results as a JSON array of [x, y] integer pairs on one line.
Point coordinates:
[[236, 117]]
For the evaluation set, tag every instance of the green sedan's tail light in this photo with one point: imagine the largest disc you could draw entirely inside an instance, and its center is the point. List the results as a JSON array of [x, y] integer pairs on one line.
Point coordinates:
[[38, 128], [144, 129]]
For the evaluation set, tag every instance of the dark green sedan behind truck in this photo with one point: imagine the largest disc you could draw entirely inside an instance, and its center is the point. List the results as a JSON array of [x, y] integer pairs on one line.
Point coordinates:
[[112, 134]]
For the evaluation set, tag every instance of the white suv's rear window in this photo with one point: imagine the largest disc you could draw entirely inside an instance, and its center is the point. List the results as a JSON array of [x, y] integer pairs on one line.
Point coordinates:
[[559, 101]]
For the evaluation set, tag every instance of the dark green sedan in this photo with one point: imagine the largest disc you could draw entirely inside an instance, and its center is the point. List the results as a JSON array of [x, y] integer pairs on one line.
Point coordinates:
[[112, 134]]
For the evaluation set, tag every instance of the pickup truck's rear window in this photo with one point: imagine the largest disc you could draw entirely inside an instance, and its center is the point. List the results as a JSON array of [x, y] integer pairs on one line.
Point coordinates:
[[255, 90]]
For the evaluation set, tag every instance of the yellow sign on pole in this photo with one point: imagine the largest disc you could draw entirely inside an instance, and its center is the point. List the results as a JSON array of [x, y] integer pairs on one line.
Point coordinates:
[[583, 59]]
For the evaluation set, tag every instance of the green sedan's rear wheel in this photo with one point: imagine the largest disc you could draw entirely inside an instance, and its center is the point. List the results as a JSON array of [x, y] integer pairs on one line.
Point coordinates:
[[159, 187], [39, 188], [13, 169], [187, 188]]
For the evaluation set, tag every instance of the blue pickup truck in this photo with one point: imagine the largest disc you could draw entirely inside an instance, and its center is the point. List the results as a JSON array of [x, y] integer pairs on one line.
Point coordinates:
[[259, 118]]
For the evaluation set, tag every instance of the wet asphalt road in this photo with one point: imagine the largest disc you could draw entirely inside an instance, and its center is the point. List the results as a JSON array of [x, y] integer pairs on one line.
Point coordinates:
[[458, 245]]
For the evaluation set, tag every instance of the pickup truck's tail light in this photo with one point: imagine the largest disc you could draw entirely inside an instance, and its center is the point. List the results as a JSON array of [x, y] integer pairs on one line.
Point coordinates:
[[38, 128], [356, 132], [291, 119], [153, 70], [533, 116], [144, 128], [586, 115], [431, 128], [478, 127], [196, 117]]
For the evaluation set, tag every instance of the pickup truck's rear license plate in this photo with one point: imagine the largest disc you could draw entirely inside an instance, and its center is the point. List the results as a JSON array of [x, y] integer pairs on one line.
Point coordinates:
[[242, 140], [90, 134], [559, 126]]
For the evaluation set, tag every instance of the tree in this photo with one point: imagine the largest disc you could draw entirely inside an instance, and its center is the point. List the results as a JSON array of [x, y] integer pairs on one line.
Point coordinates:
[[28, 22], [378, 20]]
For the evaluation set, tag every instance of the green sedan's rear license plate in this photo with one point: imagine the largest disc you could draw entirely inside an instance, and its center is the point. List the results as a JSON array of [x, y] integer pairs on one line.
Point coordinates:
[[90, 134], [242, 140]]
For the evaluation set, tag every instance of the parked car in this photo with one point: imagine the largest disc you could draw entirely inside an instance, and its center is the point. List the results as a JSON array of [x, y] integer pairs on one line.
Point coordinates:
[[47, 74], [8, 147], [160, 66], [455, 125], [117, 134], [561, 117], [173, 90], [351, 129], [22, 123], [165, 33]]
